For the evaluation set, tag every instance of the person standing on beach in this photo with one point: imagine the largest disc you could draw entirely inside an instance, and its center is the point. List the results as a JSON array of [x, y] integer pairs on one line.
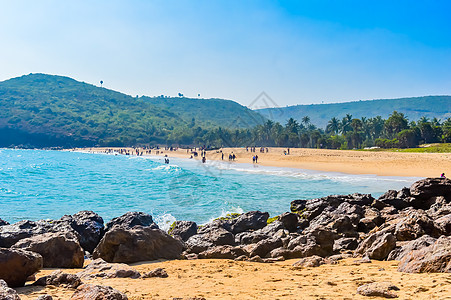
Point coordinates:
[[256, 159], [253, 159], [222, 156]]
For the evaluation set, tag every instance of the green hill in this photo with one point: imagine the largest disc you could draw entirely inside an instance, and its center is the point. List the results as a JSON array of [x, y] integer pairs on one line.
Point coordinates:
[[320, 114], [47, 110]]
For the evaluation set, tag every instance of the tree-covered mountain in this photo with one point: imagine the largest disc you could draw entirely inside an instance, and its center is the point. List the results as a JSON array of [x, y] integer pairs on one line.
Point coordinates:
[[319, 114], [48, 110]]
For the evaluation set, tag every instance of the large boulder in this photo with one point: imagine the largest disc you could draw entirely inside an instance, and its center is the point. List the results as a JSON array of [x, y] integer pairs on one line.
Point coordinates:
[[433, 259], [135, 244], [59, 278], [58, 250], [431, 187], [378, 289], [298, 205], [415, 224], [11, 234], [130, 220], [289, 221], [444, 224], [7, 293], [103, 269], [223, 252], [88, 225], [264, 247], [17, 265], [97, 292], [210, 238], [377, 245], [183, 229], [252, 220], [392, 198], [404, 248]]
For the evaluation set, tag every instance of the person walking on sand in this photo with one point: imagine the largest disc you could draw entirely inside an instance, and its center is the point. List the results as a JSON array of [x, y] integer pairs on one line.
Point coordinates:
[[256, 159]]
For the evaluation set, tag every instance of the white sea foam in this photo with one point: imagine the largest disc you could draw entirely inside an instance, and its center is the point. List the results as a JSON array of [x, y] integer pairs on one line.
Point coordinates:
[[164, 221]]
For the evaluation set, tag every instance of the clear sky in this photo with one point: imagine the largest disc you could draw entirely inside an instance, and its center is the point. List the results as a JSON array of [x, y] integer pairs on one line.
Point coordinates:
[[298, 52]]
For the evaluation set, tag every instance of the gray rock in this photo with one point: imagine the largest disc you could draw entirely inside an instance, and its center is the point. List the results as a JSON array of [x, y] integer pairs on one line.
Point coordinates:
[[414, 225], [7, 293], [89, 291], [59, 278], [435, 258], [444, 224], [309, 262], [103, 269], [345, 244], [223, 252], [158, 272], [378, 289], [2, 222], [263, 247], [215, 237], [406, 247], [17, 265], [289, 221], [135, 244], [252, 220], [130, 220], [377, 245], [183, 229], [58, 250], [88, 225], [431, 187]]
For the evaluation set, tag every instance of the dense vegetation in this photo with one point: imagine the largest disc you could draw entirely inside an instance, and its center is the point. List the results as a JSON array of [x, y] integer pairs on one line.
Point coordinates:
[[41, 110], [413, 108], [347, 133]]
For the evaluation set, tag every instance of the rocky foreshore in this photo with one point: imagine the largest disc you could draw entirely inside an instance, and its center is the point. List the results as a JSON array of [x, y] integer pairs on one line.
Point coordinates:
[[412, 226]]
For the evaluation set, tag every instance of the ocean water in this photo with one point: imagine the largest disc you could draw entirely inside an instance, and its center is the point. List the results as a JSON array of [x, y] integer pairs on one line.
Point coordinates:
[[39, 184]]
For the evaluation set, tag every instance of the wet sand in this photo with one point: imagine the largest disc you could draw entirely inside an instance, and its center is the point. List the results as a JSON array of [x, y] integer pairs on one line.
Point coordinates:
[[344, 161]]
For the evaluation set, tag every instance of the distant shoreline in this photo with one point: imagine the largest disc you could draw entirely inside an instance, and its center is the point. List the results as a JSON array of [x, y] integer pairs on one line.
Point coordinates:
[[342, 161]]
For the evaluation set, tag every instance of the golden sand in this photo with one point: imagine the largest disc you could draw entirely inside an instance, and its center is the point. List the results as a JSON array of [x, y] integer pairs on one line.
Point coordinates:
[[227, 279]]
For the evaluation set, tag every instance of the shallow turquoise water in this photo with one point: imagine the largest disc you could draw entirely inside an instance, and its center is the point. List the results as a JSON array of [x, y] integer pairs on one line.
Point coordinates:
[[38, 184]]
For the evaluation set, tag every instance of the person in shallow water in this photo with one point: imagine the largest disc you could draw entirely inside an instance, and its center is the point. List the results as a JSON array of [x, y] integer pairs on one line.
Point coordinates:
[[204, 159]]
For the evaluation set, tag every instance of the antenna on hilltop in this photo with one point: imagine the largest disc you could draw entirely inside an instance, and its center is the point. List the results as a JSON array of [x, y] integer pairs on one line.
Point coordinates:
[[101, 82]]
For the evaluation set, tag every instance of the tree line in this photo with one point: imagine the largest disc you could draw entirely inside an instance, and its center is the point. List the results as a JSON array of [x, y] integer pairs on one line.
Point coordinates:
[[348, 133]]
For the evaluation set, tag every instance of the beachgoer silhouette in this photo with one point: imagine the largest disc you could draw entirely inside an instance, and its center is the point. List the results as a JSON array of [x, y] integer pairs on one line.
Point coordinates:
[[443, 175], [253, 159], [256, 159]]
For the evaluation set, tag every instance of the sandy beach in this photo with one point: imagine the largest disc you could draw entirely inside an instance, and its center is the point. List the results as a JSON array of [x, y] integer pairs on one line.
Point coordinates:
[[227, 279], [344, 161]]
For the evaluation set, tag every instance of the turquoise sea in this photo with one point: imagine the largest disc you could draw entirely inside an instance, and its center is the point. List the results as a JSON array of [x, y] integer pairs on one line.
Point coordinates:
[[39, 184]]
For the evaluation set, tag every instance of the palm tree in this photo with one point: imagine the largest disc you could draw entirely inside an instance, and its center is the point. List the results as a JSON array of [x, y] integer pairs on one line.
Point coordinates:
[[305, 121], [333, 126]]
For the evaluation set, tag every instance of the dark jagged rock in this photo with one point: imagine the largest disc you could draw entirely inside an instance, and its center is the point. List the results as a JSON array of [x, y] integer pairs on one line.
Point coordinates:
[[431, 187], [391, 198], [135, 244], [7, 293], [298, 205], [263, 247], [89, 291], [206, 239], [317, 241], [377, 245], [11, 234], [378, 289], [103, 269], [58, 250], [432, 259], [252, 220], [415, 224], [223, 252], [441, 207], [59, 278], [2, 222], [289, 221], [183, 229], [372, 218], [17, 265], [130, 220], [444, 224], [405, 248], [158, 272], [88, 225], [309, 262], [345, 244]]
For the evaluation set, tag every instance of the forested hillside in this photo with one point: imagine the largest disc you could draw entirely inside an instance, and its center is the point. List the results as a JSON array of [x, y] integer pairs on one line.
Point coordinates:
[[46, 110], [413, 108]]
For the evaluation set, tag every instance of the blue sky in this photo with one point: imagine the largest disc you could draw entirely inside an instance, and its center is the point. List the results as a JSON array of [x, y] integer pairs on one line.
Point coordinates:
[[298, 52]]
